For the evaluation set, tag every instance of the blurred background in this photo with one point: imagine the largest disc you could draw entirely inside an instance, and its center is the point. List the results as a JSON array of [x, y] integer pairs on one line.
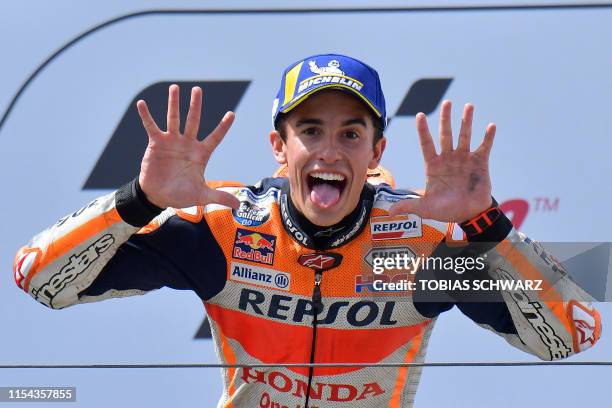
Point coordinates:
[[71, 72]]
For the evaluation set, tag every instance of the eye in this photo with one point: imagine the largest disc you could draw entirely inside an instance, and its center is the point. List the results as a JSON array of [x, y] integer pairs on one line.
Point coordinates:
[[311, 131], [351, 134]]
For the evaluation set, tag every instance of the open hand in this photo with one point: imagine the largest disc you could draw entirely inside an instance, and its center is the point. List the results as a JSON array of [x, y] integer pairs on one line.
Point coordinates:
[[458, 185], [172, 170]]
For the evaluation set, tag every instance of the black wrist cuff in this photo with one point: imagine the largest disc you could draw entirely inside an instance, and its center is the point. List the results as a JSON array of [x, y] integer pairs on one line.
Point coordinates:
[[133, 206], [490, 226]]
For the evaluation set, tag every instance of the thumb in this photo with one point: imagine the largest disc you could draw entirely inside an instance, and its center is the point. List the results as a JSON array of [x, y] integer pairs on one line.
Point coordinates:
[[411, 205], [213, 196]]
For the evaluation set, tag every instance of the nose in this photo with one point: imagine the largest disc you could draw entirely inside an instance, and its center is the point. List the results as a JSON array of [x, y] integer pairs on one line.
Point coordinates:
[[329, 149]]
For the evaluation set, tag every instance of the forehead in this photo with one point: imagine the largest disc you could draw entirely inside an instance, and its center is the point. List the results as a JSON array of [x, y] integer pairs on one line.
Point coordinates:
[[331, 104]]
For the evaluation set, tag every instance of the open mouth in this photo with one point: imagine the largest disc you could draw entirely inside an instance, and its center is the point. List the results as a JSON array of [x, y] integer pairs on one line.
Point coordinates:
[[326, 188]]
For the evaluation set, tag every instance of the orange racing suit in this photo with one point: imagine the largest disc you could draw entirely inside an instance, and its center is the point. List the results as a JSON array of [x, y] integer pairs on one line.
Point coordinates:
[[278, 289]]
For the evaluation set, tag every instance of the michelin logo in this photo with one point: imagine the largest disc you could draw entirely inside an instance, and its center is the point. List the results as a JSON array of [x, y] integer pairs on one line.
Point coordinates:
[[333, 68], [331, 74], [330, 79], [260, 276]]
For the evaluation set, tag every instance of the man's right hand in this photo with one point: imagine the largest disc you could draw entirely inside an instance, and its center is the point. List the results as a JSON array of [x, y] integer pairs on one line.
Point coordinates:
[[172, 170]]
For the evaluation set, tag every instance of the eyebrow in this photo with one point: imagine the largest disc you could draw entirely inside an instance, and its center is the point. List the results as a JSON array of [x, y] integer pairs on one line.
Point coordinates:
[[308, 121], [356, 121]]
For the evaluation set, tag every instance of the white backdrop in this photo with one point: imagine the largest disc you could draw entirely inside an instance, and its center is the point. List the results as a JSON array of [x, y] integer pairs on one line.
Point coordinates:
[[543, 76]]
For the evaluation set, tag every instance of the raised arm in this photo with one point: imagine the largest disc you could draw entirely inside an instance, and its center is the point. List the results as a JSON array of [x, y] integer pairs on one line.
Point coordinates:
[[552, 323], [122, 243]]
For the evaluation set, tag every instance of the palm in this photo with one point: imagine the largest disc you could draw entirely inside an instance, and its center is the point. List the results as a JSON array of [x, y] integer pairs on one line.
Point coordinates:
[[172, 170], [458, 186]]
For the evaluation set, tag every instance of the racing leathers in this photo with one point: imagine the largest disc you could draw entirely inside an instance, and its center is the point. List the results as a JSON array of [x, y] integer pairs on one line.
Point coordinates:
[[278, 289]]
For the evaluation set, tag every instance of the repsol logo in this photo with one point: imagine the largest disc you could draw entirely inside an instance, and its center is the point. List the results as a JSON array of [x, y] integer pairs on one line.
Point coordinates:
[[394, 226], [398, 227], [292, 229], [288, 308]]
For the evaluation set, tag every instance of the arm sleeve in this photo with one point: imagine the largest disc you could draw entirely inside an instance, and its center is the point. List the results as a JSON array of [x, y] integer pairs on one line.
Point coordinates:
[[551, 323], [119, 245]]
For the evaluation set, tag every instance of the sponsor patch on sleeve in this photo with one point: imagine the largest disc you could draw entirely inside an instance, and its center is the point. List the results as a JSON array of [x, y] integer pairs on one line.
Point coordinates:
[[586, 324], [25, 263]]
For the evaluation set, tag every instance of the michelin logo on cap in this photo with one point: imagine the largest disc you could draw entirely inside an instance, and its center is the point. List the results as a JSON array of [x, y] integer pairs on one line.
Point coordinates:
[[331, 68], [328, 75], [331, 71]]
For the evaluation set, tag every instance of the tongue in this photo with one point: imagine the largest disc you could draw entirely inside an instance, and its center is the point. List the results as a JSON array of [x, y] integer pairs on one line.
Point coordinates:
[[324, 195]]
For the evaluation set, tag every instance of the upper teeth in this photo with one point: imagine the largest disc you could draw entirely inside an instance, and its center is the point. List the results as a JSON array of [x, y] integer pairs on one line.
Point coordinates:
[[328, 176]]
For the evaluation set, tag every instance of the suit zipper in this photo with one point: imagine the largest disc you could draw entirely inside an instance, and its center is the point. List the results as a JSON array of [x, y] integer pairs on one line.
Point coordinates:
[[317, 306]]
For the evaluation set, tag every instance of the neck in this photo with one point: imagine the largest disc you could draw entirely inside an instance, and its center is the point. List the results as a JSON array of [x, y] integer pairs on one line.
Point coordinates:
[[325, 237]]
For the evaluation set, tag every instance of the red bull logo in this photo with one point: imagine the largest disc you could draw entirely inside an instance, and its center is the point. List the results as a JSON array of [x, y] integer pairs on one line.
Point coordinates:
[[254, 246]]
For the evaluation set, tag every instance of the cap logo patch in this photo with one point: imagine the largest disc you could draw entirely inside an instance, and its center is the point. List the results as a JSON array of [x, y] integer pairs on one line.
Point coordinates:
[[332, 68]]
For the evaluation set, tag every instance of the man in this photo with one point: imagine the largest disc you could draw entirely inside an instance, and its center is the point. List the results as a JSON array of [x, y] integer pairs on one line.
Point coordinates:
[[285, 267]]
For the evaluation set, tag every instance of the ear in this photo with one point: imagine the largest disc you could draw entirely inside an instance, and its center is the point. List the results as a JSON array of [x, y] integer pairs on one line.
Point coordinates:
[[278, 147], [379, 148]]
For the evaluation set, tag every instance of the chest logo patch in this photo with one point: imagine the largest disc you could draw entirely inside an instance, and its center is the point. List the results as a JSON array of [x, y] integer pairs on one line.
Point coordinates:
[[251, 215], [397, 227], [254, 246], [261, 276], [320, 262]]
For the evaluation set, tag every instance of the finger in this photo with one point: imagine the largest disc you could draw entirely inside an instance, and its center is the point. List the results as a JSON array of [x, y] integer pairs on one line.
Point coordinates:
[[487, 144], [465, 134], [147, 120], [211, 141], [211, 196], [173, 120], [427, 145], [446, 133], [192, 123], [410, 206]]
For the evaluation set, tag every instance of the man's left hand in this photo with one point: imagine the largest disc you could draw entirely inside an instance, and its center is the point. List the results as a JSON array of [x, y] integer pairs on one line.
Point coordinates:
[[458, 185]]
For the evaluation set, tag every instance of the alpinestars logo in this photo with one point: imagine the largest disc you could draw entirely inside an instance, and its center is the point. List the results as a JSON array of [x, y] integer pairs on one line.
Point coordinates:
[[356, 228], [25, 263], [586, 324], [77, 264], [320, 262], [531, 312]]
